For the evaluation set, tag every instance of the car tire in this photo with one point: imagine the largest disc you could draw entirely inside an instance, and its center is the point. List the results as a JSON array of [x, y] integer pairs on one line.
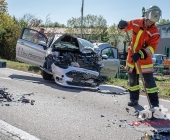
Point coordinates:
[[44, 74]]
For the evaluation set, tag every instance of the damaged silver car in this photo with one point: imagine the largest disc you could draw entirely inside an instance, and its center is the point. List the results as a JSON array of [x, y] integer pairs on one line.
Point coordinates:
[[71, 61]]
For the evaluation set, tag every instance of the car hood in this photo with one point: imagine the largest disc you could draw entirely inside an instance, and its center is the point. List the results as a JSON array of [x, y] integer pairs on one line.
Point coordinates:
[[72, 40]]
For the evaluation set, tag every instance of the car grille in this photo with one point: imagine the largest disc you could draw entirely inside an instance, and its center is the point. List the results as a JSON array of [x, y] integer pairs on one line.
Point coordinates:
[[75, 83], [78, 75], [81, 78]]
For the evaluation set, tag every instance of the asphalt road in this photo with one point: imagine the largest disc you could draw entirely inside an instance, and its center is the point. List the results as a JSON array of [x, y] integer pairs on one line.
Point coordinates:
[[5, 136], [68, 114]]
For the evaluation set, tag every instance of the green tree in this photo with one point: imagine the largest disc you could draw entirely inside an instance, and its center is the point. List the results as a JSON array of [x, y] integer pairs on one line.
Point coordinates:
[[116, 35], [20, 22], [30, 20], [105, 36], [9, 33], [163, 21], [57, 24], [94, 27], [126, 38], [73, 25], [49, 23], [3, 7]]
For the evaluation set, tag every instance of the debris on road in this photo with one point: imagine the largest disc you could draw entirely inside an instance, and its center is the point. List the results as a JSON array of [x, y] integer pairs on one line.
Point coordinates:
[[156, 112], [156, 136], [163, 132], [127, 109], [108, 125], [110, 92], [111, 89], [7, 97], [25, 100], [64, 97], [32, 102], [102, 115]]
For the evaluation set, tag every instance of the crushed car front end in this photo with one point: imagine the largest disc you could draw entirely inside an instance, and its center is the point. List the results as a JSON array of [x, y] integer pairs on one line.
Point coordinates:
[[75, 77]]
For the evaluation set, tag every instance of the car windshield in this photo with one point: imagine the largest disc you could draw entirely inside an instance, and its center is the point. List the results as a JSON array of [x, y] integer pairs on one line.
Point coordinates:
[[65, 45], [86, 43]]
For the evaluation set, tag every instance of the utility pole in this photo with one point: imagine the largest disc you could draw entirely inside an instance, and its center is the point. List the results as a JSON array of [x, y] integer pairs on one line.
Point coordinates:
[[82, 18]]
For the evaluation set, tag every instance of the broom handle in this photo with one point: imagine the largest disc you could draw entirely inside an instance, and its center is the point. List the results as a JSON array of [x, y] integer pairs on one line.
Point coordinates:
[[140, 72]]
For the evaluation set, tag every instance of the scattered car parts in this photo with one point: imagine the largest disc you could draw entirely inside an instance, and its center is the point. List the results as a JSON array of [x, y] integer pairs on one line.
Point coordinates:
[[6, 98], [156, 112]]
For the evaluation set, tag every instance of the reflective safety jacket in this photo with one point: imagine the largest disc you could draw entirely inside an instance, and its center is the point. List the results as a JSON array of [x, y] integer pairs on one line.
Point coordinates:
[[142, 39]]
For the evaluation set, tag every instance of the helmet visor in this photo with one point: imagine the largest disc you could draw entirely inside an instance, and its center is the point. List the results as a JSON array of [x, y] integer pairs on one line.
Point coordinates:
[[154, 15]]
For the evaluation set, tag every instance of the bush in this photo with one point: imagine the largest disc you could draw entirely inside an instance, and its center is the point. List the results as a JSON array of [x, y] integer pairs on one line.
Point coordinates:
[[9, 33]]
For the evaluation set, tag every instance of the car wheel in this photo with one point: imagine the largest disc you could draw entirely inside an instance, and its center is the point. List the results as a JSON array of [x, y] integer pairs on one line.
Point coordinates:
[[44, 74]]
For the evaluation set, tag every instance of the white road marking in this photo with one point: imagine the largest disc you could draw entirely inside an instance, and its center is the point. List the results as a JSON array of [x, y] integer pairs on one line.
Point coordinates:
[[16, 133]]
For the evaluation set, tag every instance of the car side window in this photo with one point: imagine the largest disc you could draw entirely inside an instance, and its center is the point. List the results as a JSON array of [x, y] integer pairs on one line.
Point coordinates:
[[33, 36], [27, 35], [110, 52], [38, 37]]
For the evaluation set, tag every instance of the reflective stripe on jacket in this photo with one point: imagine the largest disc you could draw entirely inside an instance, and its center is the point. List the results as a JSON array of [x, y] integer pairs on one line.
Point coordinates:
[[142, 39]]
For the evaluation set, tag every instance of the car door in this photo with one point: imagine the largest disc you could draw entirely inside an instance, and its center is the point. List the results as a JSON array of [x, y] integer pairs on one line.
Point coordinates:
[[112, 64], [29, 51]]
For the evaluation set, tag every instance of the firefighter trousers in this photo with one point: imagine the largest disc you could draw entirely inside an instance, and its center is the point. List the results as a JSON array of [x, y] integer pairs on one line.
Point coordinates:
[[150, 85]]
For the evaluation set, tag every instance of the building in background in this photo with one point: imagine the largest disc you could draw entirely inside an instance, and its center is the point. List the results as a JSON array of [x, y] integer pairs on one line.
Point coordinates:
[[164, 43], [50, 31]]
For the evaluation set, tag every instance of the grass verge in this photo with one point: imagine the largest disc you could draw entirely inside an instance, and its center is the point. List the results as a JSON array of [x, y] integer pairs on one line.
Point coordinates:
[[22, 66], [162, 82]]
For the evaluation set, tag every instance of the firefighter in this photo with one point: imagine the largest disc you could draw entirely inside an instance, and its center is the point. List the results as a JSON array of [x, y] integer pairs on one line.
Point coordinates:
[[144, 41]]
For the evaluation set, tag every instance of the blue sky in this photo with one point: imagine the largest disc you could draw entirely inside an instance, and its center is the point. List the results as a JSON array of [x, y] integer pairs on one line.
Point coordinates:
[[63, 10]]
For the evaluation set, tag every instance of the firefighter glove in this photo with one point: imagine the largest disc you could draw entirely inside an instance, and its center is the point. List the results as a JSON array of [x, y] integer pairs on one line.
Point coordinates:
[[122, 24], [141, 54], [135, 57]]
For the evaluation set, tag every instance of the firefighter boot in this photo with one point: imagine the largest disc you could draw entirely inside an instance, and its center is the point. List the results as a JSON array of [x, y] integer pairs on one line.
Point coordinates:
[[132, 103], [134, 97], [154, 99]]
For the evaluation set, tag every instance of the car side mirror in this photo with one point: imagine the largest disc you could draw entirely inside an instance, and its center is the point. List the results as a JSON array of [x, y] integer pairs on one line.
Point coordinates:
[[104, 56]]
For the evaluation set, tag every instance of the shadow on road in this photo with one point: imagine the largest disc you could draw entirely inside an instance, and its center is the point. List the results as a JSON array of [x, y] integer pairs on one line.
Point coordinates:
[[40, 80], [138, 107], [52, 84]]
